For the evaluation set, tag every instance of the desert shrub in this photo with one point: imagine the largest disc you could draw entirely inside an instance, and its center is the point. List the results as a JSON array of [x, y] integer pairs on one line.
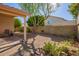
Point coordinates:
[[69, 47], [48, 48], [63, 51], [65, 43], [20, 29], [78, 51], [28, 29], [54, 50], [17, 23], [60, 50], [36, 21], [64, 48], [73, 52], [73, 34]]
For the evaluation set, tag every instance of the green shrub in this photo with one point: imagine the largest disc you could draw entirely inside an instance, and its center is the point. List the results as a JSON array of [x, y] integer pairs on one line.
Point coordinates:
[[28, 29], [59, 50], [48, 48], [64, 51], [73, 34], [54, 50], [64, 48], [17, 22], [20, 29], [66, 43], [36, 21]]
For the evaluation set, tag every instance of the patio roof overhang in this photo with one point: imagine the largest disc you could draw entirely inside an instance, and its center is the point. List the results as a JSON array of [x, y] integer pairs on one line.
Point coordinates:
[[11, 11]]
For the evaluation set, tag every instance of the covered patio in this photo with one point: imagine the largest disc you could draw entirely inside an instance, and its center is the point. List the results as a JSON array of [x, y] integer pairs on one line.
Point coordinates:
[[7, 15]]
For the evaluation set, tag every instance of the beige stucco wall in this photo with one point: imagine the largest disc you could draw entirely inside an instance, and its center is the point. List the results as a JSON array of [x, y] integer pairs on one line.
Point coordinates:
[[55, 21], [58, 30], [6, 22]]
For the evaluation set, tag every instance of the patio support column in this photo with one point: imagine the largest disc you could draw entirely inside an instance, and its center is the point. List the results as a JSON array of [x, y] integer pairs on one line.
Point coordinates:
[[25, 29]]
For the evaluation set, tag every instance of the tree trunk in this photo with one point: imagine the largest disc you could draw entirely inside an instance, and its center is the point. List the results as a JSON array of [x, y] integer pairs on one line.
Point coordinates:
[[78, 27]]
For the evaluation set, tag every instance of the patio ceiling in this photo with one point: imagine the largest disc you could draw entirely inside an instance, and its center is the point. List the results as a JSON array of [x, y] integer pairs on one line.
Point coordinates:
[[11, 11]]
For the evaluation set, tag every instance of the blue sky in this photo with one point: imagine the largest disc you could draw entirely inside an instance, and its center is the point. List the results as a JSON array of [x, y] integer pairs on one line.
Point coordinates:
[[62, 11]]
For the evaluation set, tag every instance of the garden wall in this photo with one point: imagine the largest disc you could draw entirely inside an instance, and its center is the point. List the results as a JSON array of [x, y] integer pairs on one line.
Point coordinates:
[[56, 30]]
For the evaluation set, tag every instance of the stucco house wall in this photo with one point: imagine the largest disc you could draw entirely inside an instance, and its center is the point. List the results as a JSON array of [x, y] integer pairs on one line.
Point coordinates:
[[6, 22], [58, 21]]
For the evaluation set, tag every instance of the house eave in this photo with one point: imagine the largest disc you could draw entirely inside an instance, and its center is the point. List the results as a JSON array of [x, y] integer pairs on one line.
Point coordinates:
[[12, 11]]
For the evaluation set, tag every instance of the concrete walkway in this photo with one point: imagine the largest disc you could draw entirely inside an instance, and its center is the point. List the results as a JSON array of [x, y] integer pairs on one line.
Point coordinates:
[[6, 40], [9, 45], [10, 51]]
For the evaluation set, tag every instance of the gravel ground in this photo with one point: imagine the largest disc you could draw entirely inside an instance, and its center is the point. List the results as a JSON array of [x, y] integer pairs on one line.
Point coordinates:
[[36, 40], [39, 39]]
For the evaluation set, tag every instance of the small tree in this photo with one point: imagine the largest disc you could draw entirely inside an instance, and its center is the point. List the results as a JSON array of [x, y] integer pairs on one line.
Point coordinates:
[[36, 21], [39, 21], [17, 23], [45, 9], [74, 9], [34, 9]]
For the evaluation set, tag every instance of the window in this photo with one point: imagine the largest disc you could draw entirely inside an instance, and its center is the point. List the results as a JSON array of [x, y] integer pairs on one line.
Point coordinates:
[[50, 21]]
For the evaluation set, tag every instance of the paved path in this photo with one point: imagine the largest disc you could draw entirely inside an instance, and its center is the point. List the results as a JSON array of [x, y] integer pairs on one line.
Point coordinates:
[[10, 51], [6, 40]]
